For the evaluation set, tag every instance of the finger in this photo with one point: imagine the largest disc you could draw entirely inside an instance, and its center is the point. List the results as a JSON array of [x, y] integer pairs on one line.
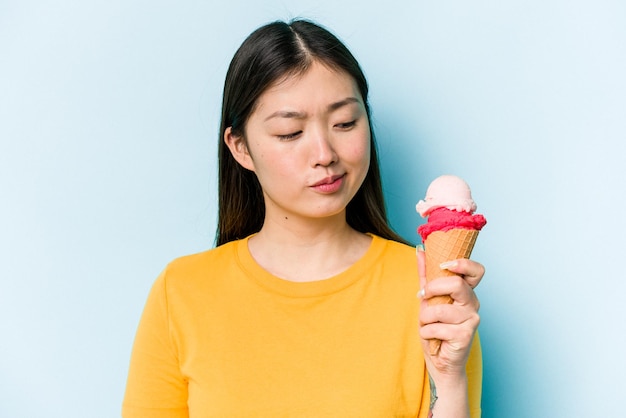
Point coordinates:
[[421, 268], [421, 264], [471, 271], [455, 286], [460, 335], [448, 314]]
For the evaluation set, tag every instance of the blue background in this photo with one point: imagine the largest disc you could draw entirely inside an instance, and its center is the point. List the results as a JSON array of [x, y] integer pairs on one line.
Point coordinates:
[[109, 113]]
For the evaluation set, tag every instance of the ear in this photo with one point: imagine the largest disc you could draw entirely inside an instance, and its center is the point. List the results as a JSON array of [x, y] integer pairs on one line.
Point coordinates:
[[238, 149]]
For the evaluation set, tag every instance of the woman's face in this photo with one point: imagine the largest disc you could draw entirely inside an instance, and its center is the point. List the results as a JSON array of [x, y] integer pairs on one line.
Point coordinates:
[[308, 141]]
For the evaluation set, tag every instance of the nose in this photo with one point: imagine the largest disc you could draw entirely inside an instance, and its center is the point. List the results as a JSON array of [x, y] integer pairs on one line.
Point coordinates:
[[323, 153]]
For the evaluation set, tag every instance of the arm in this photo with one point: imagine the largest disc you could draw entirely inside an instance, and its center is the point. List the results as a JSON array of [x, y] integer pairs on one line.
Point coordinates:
[[155, 387], [455, 325], [454, 401], [474, 383]]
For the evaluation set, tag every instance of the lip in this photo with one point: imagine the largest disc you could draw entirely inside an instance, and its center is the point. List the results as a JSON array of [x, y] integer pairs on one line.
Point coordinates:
[[328, 180], [329, 184]]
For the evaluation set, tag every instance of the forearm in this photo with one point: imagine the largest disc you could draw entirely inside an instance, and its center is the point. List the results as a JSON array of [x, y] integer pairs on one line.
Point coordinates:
[[449, 398]]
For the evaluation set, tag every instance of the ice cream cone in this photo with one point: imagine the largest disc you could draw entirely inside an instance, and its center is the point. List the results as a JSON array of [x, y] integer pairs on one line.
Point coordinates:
[[442, 246]]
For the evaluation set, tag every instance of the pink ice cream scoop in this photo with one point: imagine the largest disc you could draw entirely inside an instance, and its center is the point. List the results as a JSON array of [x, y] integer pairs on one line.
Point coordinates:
[[448, 205]]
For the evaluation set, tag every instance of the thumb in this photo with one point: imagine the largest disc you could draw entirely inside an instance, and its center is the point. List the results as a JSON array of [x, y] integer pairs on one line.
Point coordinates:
[[421, 265]]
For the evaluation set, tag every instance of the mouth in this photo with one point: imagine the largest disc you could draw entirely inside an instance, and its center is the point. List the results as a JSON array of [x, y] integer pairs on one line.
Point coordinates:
[[328, 180], [329, 184]]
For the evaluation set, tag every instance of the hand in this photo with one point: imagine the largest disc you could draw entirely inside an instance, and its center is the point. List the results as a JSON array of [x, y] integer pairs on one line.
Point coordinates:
[[454, 324]]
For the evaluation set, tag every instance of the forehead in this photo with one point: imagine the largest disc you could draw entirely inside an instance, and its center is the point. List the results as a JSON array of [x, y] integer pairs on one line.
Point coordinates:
[[318, 85]]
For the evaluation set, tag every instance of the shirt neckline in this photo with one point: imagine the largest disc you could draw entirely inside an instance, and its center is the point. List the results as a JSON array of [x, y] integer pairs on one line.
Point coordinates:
[[308, 289]]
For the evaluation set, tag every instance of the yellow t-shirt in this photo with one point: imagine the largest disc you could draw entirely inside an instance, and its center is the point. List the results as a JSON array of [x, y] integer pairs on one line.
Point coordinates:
[[222, 337]]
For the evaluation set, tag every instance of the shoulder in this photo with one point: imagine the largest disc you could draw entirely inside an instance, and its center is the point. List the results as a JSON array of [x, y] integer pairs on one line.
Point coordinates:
[[394, 249], [395, 268], [201, 258], [191, 282], [395, 256], [188, 268]]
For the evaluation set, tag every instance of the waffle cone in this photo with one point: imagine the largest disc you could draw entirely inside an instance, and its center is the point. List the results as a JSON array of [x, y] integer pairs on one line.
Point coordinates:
[[442, 246]]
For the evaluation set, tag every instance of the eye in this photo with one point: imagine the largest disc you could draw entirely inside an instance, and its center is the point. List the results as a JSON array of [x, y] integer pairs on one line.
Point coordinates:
[[346, 125], [288, 137]]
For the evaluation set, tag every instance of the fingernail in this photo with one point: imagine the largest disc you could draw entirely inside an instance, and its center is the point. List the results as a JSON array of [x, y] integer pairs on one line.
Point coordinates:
[[421, 293], [447, 265], [419, 248]]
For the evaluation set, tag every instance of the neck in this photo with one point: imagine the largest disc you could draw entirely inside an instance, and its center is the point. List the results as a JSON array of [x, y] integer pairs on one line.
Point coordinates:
[[292, 230], [307, 250]]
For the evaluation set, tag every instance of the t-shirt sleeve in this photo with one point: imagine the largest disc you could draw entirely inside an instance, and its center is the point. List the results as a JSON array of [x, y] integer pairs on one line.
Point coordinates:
[[155, 387], [474, 370]]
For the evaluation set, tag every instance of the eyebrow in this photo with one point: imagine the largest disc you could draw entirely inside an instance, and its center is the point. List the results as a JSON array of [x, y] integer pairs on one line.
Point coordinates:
[[342, 103], [301, 115]]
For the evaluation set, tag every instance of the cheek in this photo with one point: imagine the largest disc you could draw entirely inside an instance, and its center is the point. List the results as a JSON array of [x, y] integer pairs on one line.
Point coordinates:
[[359, 152], [271, 165]]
